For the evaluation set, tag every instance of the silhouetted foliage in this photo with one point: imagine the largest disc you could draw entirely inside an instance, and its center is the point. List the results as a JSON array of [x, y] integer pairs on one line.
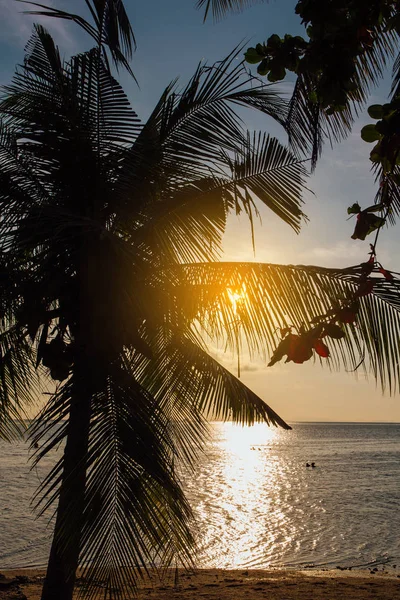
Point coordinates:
[[110, 236]]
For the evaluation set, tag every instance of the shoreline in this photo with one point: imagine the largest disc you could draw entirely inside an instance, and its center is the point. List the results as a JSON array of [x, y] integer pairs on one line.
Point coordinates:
[[235, 584]]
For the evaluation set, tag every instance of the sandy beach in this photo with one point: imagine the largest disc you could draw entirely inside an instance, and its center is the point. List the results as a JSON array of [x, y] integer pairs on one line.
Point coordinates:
[[218, 584]]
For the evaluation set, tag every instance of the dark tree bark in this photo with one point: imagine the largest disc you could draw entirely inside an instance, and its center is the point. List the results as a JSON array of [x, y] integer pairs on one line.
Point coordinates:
[[63, 562], [65, 550]]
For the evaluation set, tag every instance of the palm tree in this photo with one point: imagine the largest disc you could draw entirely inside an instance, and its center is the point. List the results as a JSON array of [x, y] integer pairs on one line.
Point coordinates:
[[110, 244], [98, 210]]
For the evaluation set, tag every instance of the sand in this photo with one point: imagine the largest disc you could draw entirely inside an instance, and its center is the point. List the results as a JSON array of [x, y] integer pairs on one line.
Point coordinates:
[[218, 584]]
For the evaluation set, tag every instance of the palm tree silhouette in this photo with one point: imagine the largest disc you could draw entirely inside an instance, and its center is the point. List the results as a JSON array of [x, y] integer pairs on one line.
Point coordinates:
[[111, 281]]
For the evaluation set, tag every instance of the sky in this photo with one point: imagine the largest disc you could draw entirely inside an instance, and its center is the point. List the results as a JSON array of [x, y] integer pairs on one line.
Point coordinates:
[[171, 40]]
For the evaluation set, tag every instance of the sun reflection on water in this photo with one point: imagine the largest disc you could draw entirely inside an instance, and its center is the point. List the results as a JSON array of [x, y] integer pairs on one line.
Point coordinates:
[[247, 467], [241, 496]]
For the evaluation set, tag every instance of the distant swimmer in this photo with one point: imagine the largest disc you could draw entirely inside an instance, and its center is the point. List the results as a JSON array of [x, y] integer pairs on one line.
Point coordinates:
[[313, 465], [36, 445], [307, 464]]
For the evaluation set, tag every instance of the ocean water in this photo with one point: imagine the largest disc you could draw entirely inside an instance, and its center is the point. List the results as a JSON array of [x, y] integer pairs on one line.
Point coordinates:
[[256, 503]]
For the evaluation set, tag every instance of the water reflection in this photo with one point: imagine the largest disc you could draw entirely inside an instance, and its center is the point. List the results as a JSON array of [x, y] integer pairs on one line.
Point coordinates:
[[246, 470], [258, 505], [241, 494], [256, 502]]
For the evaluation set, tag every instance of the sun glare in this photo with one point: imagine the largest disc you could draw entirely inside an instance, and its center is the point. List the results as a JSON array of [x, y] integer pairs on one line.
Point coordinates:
[[237, 298], [245, 478]]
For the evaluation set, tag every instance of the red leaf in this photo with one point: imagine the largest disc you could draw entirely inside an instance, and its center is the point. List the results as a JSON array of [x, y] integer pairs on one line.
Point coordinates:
[[365, 288], [366, 224], [387, 274], [321, 349], [347, 316], [300, 350], [368, 267]]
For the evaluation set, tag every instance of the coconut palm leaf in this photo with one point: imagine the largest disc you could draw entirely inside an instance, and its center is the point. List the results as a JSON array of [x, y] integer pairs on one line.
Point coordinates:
[[135, 513], [80, 91], [220, 8], [262, 169], [193, 125], [277, 296], [42, 103], [19, 383], [215, 391], [202, 164], [388, 191], [111, 27], [308, 124], [395, 89]]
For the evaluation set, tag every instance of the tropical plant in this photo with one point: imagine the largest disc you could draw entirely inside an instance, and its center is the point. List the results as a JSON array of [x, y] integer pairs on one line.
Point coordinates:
[[347, 46], [111, 283], [97, 213]]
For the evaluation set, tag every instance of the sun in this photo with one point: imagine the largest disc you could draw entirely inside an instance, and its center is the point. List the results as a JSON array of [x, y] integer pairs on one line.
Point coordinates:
[[237, 298]]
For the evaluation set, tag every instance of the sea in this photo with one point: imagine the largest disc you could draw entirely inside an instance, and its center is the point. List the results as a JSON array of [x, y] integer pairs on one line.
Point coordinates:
[[257, 504]]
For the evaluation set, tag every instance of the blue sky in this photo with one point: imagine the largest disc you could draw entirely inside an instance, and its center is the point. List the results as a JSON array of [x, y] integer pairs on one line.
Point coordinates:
[[171, 40]]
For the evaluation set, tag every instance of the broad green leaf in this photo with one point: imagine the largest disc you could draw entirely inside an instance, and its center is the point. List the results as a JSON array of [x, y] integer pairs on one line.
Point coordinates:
[[370, 134], [274, 41], [252, 56], [375, 208], [263, 68], [375, 111], [354, 209]]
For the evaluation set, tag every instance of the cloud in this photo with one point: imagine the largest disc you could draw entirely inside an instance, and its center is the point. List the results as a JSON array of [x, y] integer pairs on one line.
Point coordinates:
[[340, 254], [16, 27], [345, 254], [229, 361]]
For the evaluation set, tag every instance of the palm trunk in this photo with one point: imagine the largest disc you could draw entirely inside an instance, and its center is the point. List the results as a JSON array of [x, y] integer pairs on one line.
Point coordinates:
[[63, 562], [64, 554]]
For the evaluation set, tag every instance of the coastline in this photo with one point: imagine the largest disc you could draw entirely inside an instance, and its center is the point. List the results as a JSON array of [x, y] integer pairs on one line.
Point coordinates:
[[235, 584]]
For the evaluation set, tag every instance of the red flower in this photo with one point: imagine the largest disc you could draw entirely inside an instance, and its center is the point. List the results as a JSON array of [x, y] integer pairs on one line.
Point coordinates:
[[321, 349]]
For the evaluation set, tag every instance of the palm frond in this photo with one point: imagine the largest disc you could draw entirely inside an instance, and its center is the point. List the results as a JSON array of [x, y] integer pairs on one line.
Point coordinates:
[[73, 114], [277, 296], [308, 124], [80, 91], [190, 220], [193, 162], [217, 393], [220, 8], [388, 190], [195, 124], [395, 89], [135, 514], [111, 27], [190, 386], [266, 170], [19, 383]]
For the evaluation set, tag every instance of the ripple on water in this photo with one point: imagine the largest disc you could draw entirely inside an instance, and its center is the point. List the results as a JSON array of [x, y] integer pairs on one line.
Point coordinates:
[[256, 502]]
